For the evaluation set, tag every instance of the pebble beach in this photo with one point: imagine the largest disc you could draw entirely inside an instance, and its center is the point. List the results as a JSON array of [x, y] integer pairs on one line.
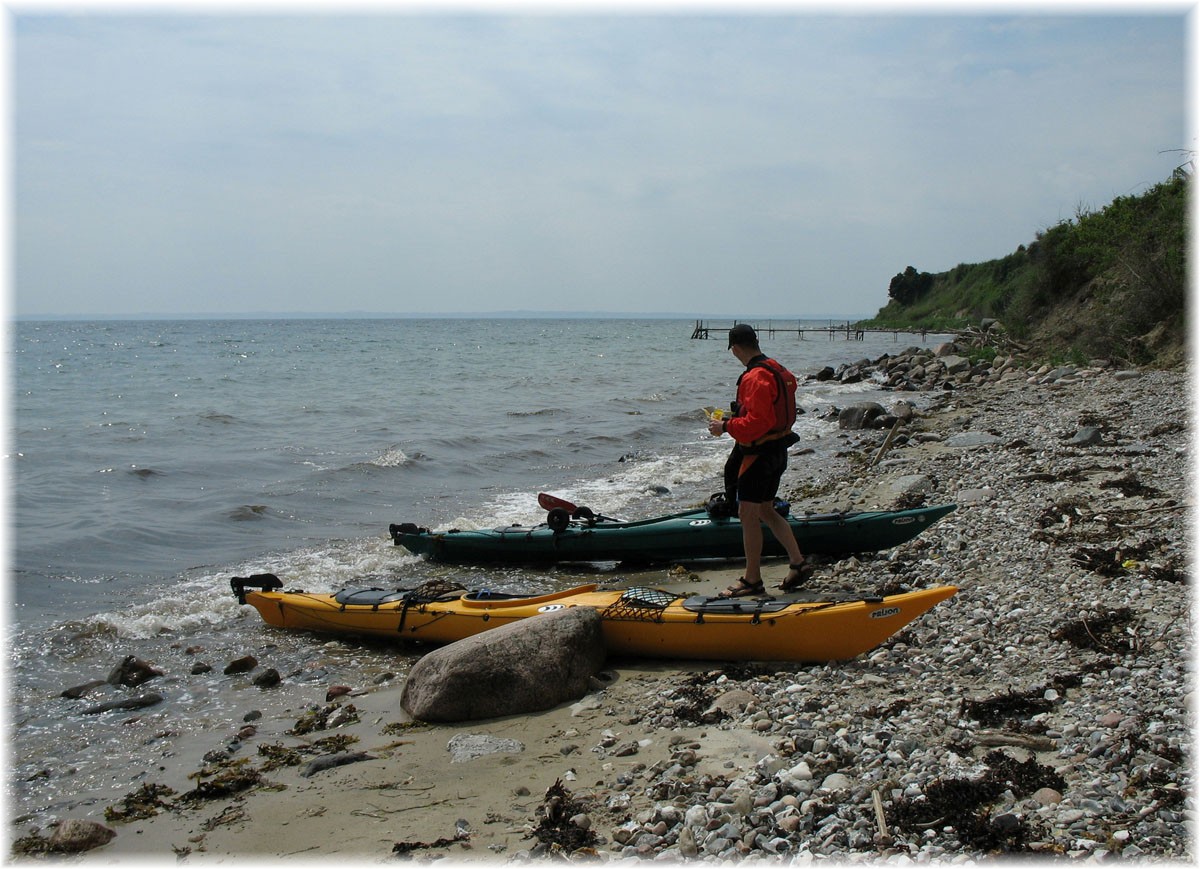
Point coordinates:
[[1045, 710]]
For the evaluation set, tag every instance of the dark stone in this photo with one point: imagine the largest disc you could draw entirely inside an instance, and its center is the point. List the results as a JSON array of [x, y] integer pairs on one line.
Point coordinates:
[[267, 678], [131, 672], [860, 415], [131, 703], [242, 665], [79, 690]]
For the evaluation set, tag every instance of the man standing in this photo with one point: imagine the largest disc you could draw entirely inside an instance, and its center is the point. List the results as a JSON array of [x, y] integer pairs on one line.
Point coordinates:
[[761, 427]]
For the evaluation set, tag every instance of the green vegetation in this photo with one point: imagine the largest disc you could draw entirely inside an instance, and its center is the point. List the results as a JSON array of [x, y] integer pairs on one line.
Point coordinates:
[[1110, 283]]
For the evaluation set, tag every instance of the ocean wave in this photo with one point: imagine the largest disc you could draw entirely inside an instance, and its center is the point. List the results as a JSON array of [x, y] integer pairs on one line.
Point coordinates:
[[204, 602], [545, 411], [249, 513], [168, 615], [392, 457]]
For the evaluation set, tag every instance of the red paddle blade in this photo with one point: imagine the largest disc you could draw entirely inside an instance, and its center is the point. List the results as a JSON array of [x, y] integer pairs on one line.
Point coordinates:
[[549, 502]]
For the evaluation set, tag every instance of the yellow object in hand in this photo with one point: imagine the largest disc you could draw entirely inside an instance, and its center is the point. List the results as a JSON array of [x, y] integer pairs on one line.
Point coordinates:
[[718, 414]]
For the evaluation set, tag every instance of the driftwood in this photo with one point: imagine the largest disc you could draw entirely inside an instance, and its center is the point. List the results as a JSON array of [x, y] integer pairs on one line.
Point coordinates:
[[887, 442], [1019, 740]]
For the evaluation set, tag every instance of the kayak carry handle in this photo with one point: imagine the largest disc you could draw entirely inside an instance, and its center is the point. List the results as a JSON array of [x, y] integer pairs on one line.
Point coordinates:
[[261, 581]]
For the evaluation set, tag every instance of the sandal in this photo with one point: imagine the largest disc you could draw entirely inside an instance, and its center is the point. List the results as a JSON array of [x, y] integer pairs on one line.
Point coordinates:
[[741, 588], [802, 573]]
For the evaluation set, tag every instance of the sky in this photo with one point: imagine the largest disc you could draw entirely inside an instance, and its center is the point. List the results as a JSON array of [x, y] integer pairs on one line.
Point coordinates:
[[700, 160]]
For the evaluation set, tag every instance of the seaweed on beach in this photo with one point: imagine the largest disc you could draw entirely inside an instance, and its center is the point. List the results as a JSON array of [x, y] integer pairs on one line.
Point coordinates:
[[1023, 777], [1105, 632], [555, 828], [398, 727], [234, 778], [1129, 485], [277, 755], [692, 699], [964, 804], [145, 802], [318, 719], [1008, 710]]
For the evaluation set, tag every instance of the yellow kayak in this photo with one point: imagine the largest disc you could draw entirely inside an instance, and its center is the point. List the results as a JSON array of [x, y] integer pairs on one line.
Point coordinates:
[[641, 622]]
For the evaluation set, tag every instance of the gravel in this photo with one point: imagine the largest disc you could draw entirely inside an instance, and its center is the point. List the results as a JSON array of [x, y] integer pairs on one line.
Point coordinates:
[[1044, 710]]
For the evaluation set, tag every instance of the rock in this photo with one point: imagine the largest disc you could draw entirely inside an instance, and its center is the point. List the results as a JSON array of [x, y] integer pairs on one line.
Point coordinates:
[[267, 678], [859, 416], [729, 703], [966, 497], [909, 484], [468, 746], [330, 761], [967, 439], [124, 705], [336, 691], [242, 665], [687, 843], [73, 835], [131, 672], [80, 690], [527, 666], [956, 364], [1047, 796], [200, 668], [1088, 436], [836, 781]]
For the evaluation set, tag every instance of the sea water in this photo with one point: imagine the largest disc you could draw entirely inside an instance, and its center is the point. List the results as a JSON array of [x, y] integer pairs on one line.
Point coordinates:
[[151, 461]]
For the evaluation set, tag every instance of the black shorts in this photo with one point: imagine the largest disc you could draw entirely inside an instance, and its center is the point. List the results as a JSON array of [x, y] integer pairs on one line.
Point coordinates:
[[760, 481]]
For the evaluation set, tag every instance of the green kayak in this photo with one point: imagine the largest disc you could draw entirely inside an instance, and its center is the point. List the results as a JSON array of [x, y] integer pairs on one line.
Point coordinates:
[[687, 536]]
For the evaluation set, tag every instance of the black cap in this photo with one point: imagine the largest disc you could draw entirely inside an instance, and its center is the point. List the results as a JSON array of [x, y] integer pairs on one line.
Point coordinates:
[[743, 334]]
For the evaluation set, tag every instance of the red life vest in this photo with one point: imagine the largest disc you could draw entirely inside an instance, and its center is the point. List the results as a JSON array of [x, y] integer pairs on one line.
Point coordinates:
[[785, 398]]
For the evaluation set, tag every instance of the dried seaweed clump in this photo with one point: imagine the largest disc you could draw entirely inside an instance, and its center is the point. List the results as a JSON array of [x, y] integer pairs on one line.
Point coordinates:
[[963, 804], [145, 802], [555, 827], [1010, 710], [1104, 632]]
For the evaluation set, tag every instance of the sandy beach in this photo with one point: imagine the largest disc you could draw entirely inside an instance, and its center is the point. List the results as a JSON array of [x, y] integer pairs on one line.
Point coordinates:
[[817, 760]]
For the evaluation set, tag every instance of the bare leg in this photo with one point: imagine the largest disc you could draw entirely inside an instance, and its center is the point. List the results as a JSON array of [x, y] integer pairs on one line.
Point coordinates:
[[783, 532], [750, 515]]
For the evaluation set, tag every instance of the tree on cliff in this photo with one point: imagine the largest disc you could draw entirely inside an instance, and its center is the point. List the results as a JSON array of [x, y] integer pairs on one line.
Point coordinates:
[[909, 285]]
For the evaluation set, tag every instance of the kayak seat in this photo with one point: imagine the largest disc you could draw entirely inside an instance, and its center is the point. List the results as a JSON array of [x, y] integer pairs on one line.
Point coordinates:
[[427, 592], [485, 594], [370, 596]]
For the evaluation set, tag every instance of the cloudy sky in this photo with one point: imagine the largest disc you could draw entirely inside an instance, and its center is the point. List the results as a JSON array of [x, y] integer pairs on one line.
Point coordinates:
[[705, 162]]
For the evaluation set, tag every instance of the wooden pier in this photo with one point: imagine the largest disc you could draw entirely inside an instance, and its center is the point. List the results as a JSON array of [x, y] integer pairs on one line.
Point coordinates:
[[849, 331]]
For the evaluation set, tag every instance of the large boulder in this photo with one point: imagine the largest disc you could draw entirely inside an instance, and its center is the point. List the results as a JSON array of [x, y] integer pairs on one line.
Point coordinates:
[[73, 835], [859, 416], [527, 666]]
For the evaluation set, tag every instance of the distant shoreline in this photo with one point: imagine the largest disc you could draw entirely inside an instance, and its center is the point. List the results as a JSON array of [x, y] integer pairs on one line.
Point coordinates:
[[471, 315]]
